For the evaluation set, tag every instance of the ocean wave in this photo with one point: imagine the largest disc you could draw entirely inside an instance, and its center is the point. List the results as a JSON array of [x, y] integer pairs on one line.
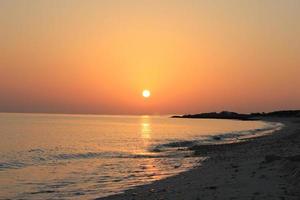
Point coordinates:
[[179, 145], [219, 138], [105, 155], [59, 158], [11, 165]]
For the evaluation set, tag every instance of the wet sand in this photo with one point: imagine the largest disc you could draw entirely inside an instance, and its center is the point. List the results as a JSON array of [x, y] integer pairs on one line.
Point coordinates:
[[267, 167]]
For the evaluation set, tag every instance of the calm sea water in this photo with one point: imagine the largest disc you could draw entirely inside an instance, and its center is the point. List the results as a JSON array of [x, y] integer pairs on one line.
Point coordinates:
[[87, 156]]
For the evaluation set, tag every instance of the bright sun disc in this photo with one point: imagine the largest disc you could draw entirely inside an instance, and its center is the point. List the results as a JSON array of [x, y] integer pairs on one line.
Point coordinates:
[[146, 93]]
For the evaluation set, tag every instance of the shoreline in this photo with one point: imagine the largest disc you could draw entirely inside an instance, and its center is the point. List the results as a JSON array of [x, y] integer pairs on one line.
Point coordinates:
[[265, 167]]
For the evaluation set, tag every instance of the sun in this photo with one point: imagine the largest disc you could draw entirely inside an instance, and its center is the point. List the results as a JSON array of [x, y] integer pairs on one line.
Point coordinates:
[[146, 93]]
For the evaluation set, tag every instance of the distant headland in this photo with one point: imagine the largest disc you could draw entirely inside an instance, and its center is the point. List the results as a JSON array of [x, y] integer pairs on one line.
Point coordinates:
[[239, 116]]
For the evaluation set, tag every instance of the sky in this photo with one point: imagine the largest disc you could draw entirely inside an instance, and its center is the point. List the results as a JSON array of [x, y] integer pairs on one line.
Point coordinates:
[[73, 56]]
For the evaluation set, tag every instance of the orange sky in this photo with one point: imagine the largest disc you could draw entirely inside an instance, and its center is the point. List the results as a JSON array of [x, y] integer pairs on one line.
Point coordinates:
[[75, 56]]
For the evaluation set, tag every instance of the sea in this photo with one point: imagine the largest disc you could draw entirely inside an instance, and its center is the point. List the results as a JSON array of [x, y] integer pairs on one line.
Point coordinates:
[[62, 156]]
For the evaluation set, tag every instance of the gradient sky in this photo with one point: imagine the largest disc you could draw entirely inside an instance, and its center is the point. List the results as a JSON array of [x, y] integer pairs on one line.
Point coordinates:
[[74, 56]]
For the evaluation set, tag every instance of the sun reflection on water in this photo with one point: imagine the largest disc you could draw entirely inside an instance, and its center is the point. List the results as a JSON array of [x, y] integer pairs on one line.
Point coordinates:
[[145, 135], [150, 166], [145, 131], [145, 128]]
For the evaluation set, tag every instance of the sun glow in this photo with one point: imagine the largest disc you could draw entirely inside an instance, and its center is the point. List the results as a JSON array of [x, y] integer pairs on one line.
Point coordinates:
[[146, 93]]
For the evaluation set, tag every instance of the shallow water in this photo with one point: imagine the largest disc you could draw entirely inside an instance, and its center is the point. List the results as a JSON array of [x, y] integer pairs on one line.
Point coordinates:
[[47, 156]]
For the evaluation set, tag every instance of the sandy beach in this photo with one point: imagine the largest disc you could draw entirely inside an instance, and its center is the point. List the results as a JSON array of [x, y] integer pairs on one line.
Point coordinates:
[[267, 167]]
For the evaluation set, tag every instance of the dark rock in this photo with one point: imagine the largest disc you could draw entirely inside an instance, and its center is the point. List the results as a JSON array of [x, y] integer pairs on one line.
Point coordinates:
[[211, 187], [234, 166], [79, 193], [271, 158], [216, 137], [295, 158]]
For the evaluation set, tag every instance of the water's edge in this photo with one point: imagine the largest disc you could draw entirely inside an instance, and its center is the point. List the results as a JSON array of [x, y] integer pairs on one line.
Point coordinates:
[[187, 146]]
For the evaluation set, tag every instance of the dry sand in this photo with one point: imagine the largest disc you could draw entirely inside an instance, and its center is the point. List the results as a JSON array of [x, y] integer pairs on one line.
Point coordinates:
[[262, 168]]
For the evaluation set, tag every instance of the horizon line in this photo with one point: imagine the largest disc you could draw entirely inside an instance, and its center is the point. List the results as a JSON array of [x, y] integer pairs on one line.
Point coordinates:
[[142, 114]]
